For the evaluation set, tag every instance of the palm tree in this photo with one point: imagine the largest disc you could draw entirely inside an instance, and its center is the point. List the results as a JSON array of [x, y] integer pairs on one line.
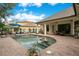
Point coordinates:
[[5, 10]]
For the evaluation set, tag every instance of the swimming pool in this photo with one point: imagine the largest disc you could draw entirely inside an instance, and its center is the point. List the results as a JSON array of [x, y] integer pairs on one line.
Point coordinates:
[[41, 42]]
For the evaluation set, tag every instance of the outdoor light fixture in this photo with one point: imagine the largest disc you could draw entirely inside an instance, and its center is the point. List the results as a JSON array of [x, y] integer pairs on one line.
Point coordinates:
[[48, 52]]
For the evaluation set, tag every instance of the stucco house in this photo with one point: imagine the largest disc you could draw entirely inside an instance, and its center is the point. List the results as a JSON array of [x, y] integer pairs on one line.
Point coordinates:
[[28, 26], [64, 22]]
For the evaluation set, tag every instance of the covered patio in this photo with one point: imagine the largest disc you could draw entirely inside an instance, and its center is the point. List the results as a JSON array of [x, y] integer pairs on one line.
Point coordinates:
[[65, 22]]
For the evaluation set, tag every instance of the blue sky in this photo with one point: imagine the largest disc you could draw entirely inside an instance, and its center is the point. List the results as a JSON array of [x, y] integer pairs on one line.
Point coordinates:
[[36, 11]]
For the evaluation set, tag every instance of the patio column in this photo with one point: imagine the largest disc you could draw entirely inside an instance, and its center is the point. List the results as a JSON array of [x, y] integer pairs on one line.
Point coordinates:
[[72, 27], [56, 28], [50, 28], [45, 29], [37, 29]]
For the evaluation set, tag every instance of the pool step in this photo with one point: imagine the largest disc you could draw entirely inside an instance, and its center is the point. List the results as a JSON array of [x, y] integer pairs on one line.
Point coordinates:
[[43, 45]]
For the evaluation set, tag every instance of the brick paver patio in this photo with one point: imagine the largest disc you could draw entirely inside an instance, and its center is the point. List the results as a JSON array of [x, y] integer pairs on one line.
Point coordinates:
[[9, 47], [64, 46]]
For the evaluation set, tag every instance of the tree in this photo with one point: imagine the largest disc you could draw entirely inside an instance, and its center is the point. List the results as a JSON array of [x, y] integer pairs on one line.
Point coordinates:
[[4, 28], [5, 9]]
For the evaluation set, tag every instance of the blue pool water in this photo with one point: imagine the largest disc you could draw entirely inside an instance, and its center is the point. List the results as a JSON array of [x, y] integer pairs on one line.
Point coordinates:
[[41, 42]]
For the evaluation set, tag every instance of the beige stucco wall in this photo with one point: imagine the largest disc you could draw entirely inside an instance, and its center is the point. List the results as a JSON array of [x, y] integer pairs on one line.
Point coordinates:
[[56, 25], [60, 21], [25, 26]]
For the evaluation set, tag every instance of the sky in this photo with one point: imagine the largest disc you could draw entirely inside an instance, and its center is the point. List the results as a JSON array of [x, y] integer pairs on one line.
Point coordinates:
[[36, 11]]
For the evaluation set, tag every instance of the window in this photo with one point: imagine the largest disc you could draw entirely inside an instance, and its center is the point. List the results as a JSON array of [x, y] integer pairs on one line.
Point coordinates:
[[47, 28]]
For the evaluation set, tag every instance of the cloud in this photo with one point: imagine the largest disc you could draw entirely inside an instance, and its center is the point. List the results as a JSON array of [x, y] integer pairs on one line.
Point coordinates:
[[27, 17], [23, 4], [35, 4], [22, 10], [30, 4], [9, 19], [52, 4]]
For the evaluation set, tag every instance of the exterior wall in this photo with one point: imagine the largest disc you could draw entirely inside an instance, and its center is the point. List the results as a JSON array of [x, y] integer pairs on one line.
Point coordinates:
[[55, 24], [29, 26], [26, 29], [50, 28]]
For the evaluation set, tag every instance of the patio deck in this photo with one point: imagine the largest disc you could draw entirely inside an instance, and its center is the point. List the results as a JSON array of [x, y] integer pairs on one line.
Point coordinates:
[[64, 46], [9, 47]]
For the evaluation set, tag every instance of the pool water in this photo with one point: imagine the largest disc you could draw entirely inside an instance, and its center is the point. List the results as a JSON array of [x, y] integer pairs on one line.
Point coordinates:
[[27, 41]]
